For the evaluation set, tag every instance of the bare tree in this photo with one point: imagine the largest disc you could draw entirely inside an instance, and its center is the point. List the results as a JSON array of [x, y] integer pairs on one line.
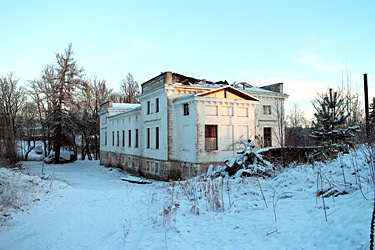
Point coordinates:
[[29, 128], [93, 93], [42, 106], [297, 133], [279, 114], [58, 86], [12, 99], [296, 117], [129, 89], [352, 103]]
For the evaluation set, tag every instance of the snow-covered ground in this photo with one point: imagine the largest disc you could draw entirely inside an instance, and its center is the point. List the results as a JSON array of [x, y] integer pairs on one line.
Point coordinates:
[[83, 205]]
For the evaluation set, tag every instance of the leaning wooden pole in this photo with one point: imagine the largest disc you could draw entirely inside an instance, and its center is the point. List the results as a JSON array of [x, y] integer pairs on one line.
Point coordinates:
[[366, 106]]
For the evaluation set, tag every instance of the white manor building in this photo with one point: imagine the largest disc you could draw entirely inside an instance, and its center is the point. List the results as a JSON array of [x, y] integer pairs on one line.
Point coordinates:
[[182, 125]]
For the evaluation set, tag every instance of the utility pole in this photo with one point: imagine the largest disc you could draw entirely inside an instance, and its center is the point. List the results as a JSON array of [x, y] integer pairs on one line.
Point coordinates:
[[366, 107]]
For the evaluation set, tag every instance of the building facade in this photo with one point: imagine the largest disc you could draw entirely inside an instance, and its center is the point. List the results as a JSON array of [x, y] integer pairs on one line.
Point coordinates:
[[183, 124]]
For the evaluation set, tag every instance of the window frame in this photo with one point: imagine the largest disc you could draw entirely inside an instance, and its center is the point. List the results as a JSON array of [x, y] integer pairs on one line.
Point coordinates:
[[267, 110], [211, 137], [148, 107], [157, 105], [157, 137], [186, 109], [148, 137], [267, 137], [123, 138]]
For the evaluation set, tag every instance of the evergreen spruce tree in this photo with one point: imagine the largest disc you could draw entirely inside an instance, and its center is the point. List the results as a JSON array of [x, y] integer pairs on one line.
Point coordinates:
[[372, 119], [329, 127]]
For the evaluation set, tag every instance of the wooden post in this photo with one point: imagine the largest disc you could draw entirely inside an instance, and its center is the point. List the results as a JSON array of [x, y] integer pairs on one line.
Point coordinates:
[[366, 106]]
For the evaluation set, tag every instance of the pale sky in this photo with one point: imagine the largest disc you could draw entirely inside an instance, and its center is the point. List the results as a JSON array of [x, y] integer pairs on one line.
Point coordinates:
[[307, 45]]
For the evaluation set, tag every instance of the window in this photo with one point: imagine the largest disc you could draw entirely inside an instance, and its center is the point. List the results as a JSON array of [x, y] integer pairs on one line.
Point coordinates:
[[156, 167], [267, 137], [136, 162], [123, 138], [186, 109], [157, 137], [210, 137], [130, 138], [266, 109], [157, 105], [113, 138], [148, 107], [118, 139], [105, 138], [148, 137], [186, 171], [136, 138]]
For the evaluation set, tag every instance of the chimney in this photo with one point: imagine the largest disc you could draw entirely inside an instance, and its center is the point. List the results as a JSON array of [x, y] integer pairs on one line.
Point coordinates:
[[169, 76]]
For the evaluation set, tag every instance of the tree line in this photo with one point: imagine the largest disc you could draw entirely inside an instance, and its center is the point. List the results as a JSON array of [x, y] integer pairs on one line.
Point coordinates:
[[59, 108]]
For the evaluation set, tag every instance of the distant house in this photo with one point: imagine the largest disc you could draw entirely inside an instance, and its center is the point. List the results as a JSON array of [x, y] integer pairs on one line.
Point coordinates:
[[183, 124]]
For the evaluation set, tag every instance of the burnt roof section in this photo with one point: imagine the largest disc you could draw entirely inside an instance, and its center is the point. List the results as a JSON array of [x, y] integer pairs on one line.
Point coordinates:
[[171, 78]]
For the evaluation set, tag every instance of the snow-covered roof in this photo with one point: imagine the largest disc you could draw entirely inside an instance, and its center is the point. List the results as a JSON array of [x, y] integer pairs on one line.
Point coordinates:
[[127, 111], [125, 105]]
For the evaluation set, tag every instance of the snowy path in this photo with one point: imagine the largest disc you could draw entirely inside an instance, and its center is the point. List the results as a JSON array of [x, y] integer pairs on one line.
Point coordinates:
[[90, 214], [99, 211]]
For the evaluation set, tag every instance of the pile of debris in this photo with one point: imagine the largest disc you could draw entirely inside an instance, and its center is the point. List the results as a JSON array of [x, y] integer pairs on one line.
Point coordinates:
[[248, 163]]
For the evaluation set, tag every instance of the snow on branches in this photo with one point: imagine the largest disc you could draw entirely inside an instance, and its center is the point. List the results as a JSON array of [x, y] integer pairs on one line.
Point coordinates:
[[330, 127]]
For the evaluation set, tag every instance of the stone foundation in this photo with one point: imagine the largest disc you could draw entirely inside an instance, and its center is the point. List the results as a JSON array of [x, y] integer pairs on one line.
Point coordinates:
[[153, 168]]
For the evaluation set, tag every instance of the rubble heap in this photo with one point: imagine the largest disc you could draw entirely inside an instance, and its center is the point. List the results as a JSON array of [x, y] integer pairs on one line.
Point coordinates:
[[248, 163]]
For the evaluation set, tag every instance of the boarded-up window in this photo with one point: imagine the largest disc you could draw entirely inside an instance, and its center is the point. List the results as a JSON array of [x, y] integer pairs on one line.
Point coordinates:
[[148, 137], [185, 137], [242, 133], [210, 137], [242, 112], [156, 167], [227, 137], [211, 110], [136, 138], [227, 111], [267, 135]]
